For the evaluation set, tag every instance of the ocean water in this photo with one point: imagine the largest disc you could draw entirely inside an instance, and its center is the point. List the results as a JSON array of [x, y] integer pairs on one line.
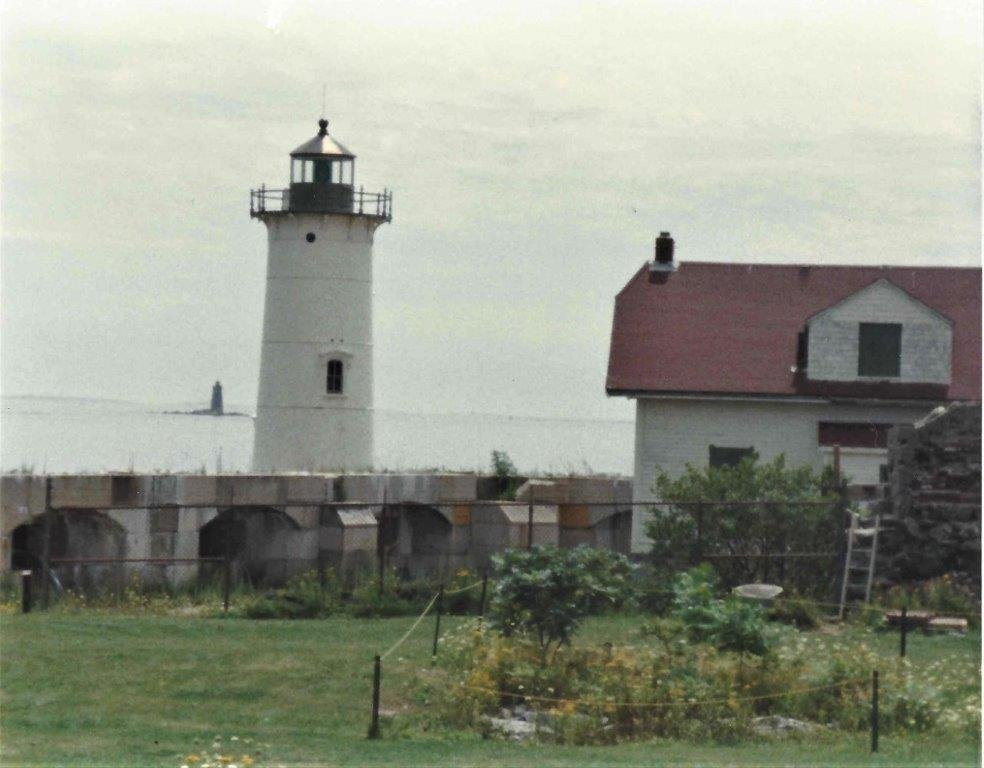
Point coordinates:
[[47, 434]]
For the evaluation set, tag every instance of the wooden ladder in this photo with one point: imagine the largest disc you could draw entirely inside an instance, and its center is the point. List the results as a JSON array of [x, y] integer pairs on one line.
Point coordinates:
[[859, 562]]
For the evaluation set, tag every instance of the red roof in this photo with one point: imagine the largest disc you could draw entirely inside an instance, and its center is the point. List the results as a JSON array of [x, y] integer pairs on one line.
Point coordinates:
[[733, 328]]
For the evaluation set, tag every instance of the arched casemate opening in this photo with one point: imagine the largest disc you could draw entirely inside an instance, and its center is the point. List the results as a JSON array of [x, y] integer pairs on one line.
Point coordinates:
[[416, 539], [74, 534], [264, 545]]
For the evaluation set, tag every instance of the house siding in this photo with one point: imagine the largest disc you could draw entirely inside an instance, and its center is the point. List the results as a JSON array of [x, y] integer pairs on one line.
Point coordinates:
[[926, 337], [671, 433]]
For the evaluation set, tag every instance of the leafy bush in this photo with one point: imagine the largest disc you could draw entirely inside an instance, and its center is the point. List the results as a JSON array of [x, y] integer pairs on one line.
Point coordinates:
[[702, 692], [745, 531], [367, 601], [506, 474], [502, 465], [732, 624], [793, 610], [579, 681], [303, 597], [457, 599], [545, 592], [653, 590]]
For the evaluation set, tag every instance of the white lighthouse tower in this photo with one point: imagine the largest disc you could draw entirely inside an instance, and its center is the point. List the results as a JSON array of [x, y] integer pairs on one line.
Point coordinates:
[[314, 410]]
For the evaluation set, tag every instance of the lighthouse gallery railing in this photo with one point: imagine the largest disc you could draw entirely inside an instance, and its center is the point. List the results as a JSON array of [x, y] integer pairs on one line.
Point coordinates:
[[378, 204]]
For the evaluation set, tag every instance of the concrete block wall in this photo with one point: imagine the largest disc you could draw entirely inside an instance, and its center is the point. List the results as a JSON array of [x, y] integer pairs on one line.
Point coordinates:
[[180, 506]]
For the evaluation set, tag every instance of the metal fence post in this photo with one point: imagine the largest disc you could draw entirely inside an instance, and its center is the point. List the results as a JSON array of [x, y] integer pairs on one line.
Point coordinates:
[[903, 628], [26, 592], [874, 710], [843, 515], [481, 600], [381, 548], [437, 623], [376, 674], [227, 567], [783, 547], [46, 545], [529, 527], [699, 544], [226, 581]]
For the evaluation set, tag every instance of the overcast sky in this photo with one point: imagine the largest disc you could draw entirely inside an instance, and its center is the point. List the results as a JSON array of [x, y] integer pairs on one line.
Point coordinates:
[[535, 150]]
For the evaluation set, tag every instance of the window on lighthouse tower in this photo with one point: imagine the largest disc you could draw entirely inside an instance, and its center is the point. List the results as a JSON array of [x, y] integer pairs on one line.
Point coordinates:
[[334, 385]]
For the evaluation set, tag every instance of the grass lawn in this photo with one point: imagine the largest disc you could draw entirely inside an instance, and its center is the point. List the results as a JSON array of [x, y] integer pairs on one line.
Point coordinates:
[[106, 688]]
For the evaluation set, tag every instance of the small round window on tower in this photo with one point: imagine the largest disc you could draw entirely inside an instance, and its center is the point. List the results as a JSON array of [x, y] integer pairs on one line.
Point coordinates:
[[310, 237]]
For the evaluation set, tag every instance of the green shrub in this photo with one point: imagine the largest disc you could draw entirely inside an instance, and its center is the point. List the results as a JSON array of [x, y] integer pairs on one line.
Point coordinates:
[[508, 480], [732, 624], [675, 688], [303, 597], [743, 532], [943, 595], [653, 590], [793, 610], [703, 691], [457, 599], [545, 592], [396, 599], [367, 603]]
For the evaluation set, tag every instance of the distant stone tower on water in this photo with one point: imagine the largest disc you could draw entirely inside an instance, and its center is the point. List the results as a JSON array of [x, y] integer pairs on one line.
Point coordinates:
[[216, 406], [314, 410]]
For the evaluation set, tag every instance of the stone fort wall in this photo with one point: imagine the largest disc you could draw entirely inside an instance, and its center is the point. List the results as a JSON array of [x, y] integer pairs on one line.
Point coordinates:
[[272, 526]]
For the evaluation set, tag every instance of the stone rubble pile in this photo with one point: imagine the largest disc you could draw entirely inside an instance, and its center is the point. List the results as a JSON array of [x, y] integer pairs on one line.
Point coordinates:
[[931, 515]]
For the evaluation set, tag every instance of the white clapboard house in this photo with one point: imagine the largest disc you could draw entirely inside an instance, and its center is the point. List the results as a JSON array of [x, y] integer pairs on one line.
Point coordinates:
[[725, 359]]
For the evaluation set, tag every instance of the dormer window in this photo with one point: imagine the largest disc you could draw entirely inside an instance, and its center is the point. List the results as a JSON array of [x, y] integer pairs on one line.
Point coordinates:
[[334, 380], [879, 350]]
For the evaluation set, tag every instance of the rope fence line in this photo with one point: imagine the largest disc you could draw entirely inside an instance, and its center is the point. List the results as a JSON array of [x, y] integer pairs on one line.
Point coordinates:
[[856, 683], [860, 606], [664, 704], [413, 626], [424, 613], [464, 589]]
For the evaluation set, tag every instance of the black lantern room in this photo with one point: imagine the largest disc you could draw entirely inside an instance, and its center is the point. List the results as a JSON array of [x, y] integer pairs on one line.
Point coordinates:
[[322, 180], [321, 175]]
